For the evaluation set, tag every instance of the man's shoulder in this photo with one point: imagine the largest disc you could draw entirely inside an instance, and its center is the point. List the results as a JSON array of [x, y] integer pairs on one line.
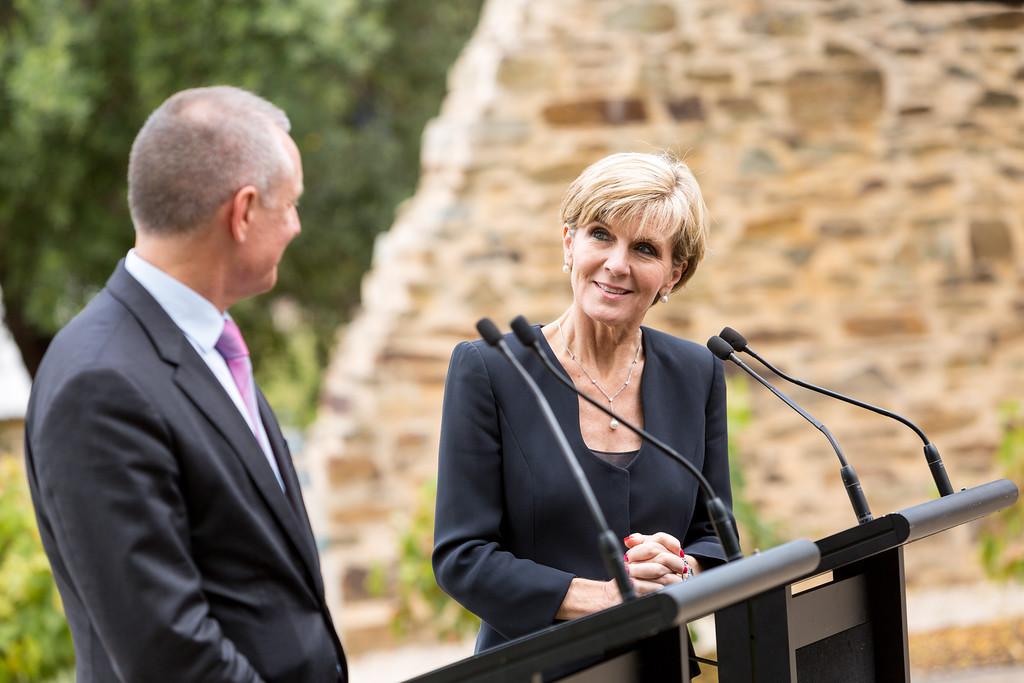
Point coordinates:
[[104, 336]]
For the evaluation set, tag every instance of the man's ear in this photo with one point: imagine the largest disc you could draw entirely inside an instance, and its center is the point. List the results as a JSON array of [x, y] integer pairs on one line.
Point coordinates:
[[239, 216]]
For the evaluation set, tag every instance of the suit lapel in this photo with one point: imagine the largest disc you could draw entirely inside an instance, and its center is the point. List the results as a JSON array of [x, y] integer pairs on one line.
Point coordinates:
[[293, 488], [662, 390], [196, 381]]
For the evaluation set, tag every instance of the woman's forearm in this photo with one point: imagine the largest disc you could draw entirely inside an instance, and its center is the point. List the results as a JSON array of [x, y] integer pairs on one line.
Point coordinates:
[[586, 596]]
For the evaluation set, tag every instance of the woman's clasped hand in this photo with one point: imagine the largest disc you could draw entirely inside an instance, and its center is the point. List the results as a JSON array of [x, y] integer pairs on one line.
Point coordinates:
[[656, 561]]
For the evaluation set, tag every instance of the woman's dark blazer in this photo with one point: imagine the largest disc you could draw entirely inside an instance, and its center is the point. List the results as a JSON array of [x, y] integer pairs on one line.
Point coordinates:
[[512, 529]]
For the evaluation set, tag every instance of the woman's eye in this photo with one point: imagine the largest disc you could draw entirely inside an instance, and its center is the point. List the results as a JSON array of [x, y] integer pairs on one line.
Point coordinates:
[[647, 249], [600, 234]]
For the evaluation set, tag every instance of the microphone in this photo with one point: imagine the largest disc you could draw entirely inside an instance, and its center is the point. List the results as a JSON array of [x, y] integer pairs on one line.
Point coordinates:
[[609, 545], [851, 481], [931, 453], [717, 512]]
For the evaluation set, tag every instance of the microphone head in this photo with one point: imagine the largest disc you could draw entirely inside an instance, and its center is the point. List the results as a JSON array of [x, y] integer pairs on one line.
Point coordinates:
[[720, 347], [735, 339], [489, 331], [524, 330]]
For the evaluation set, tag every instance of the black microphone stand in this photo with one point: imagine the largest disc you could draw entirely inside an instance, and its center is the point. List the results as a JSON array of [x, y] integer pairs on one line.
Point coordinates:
[[851, 481], [717, 510], [931, 453], [609, 545]]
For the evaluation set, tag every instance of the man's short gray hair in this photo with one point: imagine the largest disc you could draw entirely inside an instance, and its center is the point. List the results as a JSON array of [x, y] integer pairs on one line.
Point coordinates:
[[196, 150]]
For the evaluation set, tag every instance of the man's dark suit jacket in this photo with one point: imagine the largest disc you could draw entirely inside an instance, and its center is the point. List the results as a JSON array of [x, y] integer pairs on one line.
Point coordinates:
[[512, 529], [177, 555]]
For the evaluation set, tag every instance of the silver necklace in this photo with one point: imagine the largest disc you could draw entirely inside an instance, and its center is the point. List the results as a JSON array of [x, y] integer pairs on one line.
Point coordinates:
[[614, 424]]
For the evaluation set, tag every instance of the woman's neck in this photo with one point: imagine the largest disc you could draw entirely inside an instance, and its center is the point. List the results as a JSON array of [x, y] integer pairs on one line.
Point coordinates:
[[604, 348]]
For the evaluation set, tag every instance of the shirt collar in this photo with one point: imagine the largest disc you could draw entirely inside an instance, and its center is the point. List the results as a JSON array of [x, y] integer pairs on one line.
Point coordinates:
[[194, 315]]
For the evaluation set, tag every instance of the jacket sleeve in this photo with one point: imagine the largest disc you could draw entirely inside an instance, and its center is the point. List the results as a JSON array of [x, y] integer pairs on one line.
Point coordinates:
[[515, 596], [109, 483], [701, 541]]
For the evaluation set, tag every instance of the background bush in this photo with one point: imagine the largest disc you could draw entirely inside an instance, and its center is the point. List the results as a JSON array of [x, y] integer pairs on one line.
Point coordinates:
[[1002, 534], [35, 642]]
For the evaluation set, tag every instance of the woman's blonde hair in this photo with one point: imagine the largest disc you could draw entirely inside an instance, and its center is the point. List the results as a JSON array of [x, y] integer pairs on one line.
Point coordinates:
[[655, 192]]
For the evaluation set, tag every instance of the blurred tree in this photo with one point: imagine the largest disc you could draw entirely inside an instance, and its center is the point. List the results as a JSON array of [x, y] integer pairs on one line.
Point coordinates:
[[358, 78]]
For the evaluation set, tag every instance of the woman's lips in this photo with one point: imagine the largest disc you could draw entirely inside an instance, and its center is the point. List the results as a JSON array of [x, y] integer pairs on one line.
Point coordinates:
[[614, 291]]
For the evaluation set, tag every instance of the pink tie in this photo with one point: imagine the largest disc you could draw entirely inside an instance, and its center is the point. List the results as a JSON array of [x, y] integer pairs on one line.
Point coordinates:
[[236, 353]]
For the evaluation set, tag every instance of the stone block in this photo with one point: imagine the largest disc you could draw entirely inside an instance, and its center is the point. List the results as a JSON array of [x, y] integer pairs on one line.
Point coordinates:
[[885, 325], [710, 73], [352, 516], [782, 224], [525, 73], [347, 469], [777, 23], [915, 110], [938, 419], [843, 228], [759, 162], [993, 99], [642, 17], [740, 108], [824, 100], [367, 626], [930, 183], [596, 112], [686, 109], [991, 241], [996, 21], [353, 583]]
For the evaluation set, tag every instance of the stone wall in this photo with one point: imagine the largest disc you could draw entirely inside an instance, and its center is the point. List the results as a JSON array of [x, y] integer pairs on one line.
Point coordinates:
[[864, 163], [12, 437]]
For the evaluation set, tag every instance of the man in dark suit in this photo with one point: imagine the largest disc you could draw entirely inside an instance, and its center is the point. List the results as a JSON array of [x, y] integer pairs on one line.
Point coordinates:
[[165, 494]]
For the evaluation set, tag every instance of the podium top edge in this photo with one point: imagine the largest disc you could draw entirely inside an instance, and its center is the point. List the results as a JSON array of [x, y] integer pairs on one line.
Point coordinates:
[[966, 505]]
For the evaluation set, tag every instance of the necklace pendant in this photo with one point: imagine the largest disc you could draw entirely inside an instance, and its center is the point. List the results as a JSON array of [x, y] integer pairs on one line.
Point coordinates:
[[614, 424]]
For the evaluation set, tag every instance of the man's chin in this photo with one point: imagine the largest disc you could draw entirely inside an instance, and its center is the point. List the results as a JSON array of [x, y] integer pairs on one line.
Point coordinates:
[[264, 285]]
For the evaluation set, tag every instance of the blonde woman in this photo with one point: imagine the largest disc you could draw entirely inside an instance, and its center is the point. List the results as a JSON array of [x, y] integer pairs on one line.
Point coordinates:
[[513, 541]]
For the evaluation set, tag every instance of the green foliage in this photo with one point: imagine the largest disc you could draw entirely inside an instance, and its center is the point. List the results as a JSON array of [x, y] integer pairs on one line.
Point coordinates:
[[35, 642], [359, 78], [755, 532], [1002, 534], [422, 605]]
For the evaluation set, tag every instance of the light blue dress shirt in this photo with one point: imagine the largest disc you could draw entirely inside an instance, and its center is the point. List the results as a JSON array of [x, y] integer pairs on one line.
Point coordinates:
[[202, 325]]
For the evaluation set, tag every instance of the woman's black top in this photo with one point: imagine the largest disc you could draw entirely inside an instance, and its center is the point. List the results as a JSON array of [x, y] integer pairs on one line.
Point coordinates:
[[512, 529]]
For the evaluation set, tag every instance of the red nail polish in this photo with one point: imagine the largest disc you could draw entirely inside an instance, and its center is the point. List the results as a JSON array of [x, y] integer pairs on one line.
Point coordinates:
[[681, 553], [625, 558], [626, 539]]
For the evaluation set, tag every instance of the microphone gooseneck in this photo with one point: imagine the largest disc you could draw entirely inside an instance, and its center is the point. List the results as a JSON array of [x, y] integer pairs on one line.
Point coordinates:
[[609, 546], [717, 511], [851, 481], [931, 454]]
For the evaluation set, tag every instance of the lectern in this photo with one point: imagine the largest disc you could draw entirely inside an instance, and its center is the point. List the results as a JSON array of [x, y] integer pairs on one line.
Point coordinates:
[[642, 640], [852, 626]]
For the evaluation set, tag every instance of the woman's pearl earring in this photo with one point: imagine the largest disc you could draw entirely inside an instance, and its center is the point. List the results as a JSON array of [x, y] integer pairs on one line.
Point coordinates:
[[565, 267], [664, 298]]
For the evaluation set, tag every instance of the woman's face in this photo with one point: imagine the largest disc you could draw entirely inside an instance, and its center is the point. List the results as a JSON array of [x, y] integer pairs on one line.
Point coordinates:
[[617, 273]]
